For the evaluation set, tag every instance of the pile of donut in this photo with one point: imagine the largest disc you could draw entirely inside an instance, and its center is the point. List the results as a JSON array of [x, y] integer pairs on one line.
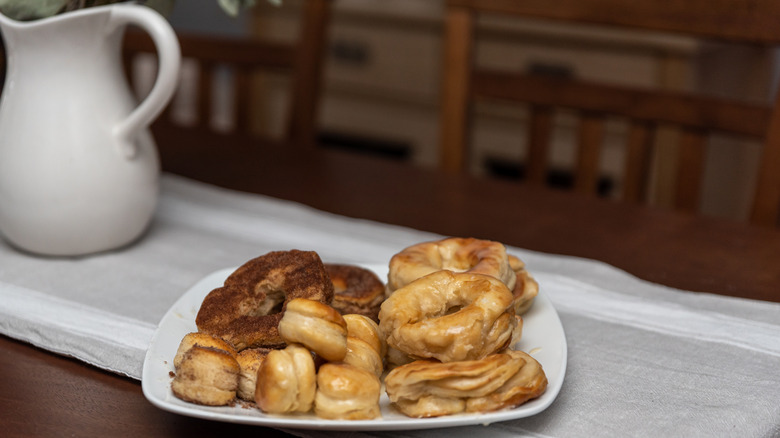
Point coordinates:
[[292, 334]]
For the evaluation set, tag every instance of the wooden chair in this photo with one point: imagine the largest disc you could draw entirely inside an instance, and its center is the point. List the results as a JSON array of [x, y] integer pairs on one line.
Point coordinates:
[[696, 117], [243, 57]]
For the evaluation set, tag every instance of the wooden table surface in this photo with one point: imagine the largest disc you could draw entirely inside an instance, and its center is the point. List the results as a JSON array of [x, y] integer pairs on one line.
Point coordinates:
[[42, 394]]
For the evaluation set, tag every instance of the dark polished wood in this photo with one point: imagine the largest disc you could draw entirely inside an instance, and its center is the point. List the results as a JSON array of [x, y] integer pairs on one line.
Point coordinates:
[[672, 248], [42, 394], [45, 395]]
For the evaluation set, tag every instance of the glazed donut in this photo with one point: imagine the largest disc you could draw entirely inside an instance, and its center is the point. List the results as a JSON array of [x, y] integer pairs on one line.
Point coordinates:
[[366, 347], [204, 340], [247, 309], [286, 381], [356, 290], [395, 358], [453, 254], [317, 326], [206, 376], [526, 288], [249, 361], [361, 354], [449, 316], [364, 328], [430, 389], [347, 392]]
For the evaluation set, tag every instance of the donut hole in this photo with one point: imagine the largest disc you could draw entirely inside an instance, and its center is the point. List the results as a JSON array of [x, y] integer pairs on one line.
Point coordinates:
[[273, 304], [456, 267], [453, 309], [453, 258], [269, 301]]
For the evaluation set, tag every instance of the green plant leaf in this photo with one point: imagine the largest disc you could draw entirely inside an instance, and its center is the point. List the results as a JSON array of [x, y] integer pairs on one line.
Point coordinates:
[[31, 10], [164, 7], [233, 7]]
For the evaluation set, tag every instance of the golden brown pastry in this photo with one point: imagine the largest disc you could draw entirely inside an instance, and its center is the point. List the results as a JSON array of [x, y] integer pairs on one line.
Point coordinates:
[[249, 361], [449, 317], [364, 328], [286, 381], [247, 309], [454, 254], [365, 347], [430, 389], [317, 326], [526, 288], [361, 355], [204, 340], [394, 358], [356, 290], [347, 392], [206, 376]]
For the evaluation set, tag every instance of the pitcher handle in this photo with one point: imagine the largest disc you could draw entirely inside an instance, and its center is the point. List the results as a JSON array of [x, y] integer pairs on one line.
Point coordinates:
[[169, 54]]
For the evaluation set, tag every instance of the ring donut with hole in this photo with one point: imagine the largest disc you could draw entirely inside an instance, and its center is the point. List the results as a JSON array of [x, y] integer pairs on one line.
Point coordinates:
[[247, 309]]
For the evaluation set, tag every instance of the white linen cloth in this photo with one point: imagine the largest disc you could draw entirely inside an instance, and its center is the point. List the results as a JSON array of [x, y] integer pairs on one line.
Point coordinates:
[[643, 359]]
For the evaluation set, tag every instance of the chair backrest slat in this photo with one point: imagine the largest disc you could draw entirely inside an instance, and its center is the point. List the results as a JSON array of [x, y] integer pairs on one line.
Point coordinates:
[[540, 132], [690, 169], [205, 91], [752, 21], [658, 106], [637, 167], [591, 137]]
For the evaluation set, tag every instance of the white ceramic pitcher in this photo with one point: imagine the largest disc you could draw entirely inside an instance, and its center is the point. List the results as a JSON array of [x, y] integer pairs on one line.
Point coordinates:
[[79, 171]]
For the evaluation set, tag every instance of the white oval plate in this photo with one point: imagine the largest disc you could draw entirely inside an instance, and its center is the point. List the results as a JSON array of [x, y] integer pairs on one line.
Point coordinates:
[[543, 338]]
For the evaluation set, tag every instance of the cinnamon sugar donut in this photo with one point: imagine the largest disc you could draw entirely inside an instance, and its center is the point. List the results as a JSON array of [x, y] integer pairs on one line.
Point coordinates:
[[204, 340], [449, 316], [430, 389], [249, 361], [356, 290], [247, 309], [453, 254], [206, 376]]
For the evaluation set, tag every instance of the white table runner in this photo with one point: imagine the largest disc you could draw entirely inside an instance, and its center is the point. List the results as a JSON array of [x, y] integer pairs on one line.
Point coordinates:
[[644, 360]]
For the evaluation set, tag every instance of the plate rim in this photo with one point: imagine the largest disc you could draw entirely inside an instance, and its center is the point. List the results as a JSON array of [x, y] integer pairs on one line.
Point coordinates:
[[530, 408]]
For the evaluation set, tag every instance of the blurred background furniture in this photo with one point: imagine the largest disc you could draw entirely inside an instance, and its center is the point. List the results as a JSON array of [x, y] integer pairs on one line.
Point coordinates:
[[380, 88], [651, 116], [220, 73]]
